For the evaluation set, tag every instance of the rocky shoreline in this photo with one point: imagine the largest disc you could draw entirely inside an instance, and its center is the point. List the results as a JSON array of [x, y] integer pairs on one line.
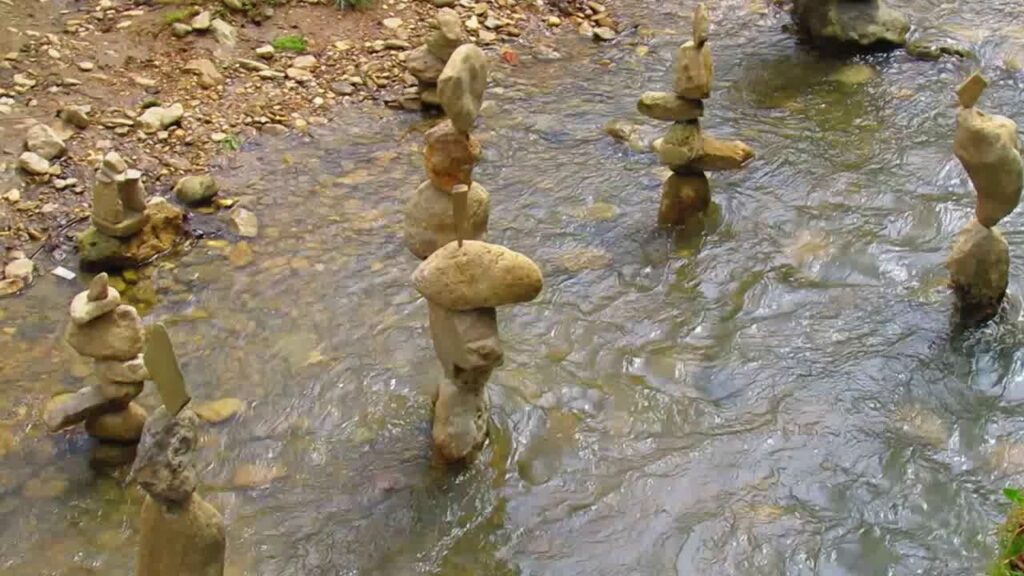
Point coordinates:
[[175, 89]]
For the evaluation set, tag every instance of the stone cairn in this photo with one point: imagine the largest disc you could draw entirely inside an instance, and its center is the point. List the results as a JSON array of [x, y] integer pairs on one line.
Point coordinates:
[[180, 533], [988, 148], [111, 333], [462, 278], [450, 155], [684, 149], [427, 62], [126, 229]]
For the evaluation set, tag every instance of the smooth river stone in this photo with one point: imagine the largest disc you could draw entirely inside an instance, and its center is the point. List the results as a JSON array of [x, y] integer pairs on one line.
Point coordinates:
[[181, 539], [680, 146], [448, 36], [987, 146], [682, 198], [461, 86], [460, 415], [694, 71], [66, 410], [477, 275], [722, 155], [124, 426], [450, 156], [467, 340], [83, 310], [979, 267], [669, 107], [424, 66], [114, 336], [429, 222]]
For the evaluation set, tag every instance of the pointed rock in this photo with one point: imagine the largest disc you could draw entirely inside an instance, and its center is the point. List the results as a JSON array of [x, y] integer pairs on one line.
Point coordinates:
[[66, 410], [701, 25], [89, 305]]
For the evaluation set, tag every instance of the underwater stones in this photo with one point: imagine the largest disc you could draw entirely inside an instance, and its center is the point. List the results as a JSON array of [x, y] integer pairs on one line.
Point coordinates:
[[124, 426], [428, 218], [461, 86], [719, 155], [682, 197], [466, 339], [681, 144], [117, 335], [100, 299], [669, 107], [694, 70], [165, 464], [979, 266], [857, 25], [450, 156], [987, 146], [477, 275]]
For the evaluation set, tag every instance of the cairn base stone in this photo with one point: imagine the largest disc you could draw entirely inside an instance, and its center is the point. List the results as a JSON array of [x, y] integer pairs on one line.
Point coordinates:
[[682, 198], [428, 218], [107, 455], [460, 416], [987, 146], [979, 270], [124, 426], [180, 540], [466, 339]]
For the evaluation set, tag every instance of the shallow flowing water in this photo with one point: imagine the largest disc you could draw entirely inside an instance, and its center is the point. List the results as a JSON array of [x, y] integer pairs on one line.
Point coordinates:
[[780, 393]]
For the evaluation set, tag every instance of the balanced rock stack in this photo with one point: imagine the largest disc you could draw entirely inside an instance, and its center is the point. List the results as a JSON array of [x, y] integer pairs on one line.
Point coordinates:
[[851, 25], [126, 229], [450, 156], [180, 533], [988, 147], [111, 333], [463, 283], [684, 148], [427, 62]]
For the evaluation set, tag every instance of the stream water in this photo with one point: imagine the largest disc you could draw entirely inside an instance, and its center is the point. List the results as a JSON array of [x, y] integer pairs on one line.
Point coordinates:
[[782, 392]]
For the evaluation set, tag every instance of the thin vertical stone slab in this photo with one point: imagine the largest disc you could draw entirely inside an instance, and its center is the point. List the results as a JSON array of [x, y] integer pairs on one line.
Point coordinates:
[[971, 90], [461, 86]]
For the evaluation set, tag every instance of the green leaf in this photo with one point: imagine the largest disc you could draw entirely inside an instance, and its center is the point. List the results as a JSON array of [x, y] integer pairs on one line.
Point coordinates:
[[1014, 495]]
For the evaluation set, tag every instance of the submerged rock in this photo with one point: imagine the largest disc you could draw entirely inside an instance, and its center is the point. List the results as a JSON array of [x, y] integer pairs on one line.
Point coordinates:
[[682, 198], [858, 25], [460, 415], [477, 275]]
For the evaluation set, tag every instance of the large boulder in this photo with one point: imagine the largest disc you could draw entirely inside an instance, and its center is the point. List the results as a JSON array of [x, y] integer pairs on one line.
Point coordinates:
[[979, 269], [165, 227], [477, 275], [987, 146], [851, 25], [429, 222]]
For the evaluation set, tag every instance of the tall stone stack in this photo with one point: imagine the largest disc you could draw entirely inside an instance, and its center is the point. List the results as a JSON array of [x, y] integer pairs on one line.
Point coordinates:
[[988, 147], [463, 283], [426, 62], [450, 155], [111, 333], [684, 148]]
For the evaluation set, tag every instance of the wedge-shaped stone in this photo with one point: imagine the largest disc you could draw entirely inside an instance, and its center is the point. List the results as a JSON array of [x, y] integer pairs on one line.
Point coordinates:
[[477, 275], [970, 91], [114, 336], [701, 25], [669, 107], [722, 155], [694, 71], [987, 146], [429, 221], [66, 410], [461, 86], [468, 339]]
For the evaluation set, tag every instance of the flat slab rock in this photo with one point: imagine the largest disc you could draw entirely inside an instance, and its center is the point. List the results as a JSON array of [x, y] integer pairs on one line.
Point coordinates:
[[66, 410], [477, 275]]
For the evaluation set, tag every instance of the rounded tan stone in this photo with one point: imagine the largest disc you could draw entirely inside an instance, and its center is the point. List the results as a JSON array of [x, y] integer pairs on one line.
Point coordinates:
[[429, 223], [988, 147], [477, 275], [117, 335], [124, 426], [461, 85], [979, 267]]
